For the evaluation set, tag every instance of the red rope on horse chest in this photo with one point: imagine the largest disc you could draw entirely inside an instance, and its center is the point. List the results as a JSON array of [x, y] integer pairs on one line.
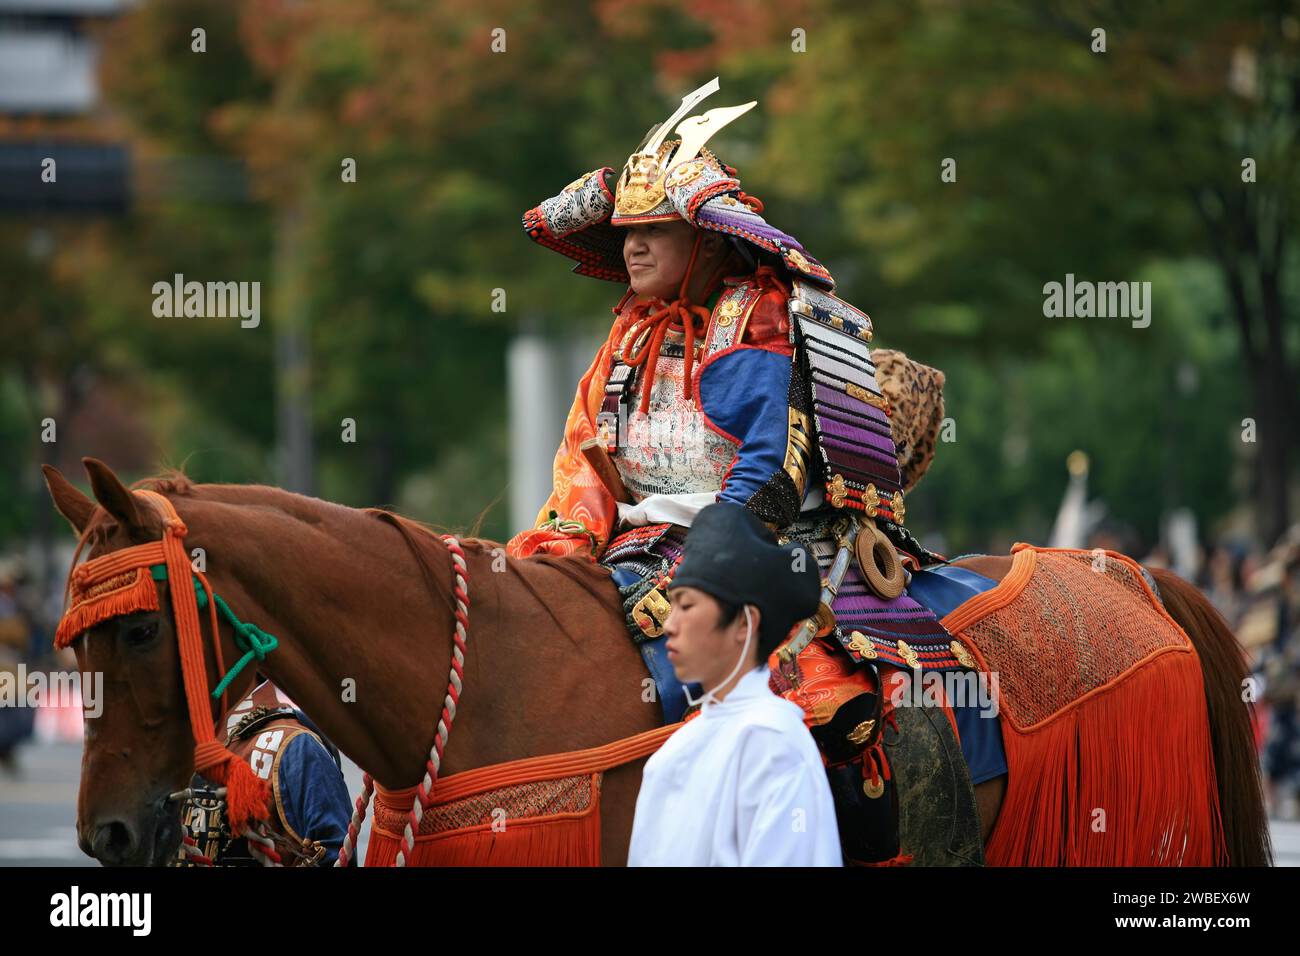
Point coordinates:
[[455, 683]]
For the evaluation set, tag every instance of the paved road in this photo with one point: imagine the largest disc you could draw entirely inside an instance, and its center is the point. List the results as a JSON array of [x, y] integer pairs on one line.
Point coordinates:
[[37, 811]]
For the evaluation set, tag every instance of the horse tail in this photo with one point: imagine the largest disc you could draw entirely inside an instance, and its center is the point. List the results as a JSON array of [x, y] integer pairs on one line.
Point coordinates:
[[1224, 669]]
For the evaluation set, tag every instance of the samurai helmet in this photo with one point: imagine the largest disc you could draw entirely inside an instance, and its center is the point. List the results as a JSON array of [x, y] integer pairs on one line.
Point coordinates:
[[664, 179]]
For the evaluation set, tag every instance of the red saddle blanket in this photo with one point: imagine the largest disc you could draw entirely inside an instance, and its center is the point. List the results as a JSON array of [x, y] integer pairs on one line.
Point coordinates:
[[1103, 713]]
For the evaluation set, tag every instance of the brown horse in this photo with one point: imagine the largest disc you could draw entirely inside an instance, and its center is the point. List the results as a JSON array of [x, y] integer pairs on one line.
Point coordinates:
[[363, 612]]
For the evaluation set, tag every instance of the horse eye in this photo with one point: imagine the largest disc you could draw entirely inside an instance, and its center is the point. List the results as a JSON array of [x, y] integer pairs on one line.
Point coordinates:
[[139, 633]]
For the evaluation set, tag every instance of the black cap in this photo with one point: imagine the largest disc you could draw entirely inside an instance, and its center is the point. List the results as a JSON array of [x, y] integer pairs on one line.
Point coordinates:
[[734, 557]]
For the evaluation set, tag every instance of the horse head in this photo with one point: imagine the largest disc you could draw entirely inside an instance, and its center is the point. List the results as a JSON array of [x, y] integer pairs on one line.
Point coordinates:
[[139, 749]]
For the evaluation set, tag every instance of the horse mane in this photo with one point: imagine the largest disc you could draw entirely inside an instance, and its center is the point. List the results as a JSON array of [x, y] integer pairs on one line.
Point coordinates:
[[422, 539], [172, 482]]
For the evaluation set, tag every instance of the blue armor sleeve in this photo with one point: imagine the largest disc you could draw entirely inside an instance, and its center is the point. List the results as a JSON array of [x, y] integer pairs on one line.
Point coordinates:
[[314, 794], [745, 394]]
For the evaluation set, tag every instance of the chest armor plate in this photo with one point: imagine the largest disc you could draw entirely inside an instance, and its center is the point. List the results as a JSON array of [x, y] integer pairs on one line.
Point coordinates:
[[671, 450]]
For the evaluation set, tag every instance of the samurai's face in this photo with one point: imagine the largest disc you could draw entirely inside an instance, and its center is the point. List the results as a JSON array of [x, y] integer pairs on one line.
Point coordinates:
[[657, 253], [701, 646]]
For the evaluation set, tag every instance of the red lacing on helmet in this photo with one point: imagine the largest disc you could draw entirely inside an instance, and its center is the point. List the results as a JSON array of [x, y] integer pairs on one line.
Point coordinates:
[[753, 202]]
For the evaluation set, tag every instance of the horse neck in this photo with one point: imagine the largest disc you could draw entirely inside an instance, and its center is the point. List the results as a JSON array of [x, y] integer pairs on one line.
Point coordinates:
[[362, 643]]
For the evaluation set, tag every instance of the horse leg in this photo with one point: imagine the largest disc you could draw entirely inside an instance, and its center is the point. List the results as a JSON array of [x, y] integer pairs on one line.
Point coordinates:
[[618, 791]]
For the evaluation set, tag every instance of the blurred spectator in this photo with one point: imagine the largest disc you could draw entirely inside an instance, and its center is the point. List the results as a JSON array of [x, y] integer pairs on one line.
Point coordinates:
[[16, 723], [1270, 632], [1221, 580], [1112, 535]]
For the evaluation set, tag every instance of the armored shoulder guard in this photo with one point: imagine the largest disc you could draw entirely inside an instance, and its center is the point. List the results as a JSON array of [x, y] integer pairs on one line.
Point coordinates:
[[850, 414]]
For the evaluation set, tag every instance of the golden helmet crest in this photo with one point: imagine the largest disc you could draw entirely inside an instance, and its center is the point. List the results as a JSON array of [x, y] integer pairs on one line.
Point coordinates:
[[639, 195]]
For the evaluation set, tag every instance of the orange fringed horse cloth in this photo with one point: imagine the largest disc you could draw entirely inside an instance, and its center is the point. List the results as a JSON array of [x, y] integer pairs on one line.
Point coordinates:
[[539, 811], [1103, 713]]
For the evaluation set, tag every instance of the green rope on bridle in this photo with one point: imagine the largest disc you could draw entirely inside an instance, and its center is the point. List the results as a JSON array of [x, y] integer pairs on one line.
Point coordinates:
[[249, 638]]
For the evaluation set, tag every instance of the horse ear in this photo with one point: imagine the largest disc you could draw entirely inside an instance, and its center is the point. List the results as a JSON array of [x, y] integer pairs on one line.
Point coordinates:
[[70, 502], [117, 499]]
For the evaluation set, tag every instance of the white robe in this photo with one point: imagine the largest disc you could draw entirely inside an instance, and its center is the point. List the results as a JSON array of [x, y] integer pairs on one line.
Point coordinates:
[[742, 784]]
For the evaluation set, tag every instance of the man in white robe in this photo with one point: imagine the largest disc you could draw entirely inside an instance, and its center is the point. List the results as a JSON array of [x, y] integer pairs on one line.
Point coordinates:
[[742, 783]]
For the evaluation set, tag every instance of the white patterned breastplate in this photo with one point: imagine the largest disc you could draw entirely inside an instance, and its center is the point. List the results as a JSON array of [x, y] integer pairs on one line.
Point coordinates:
[[671, 451]]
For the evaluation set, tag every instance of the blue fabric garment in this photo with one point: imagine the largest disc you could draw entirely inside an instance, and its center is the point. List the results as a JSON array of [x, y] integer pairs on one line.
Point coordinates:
[[314, 794], [671, 695], [746, 394], [941, 589], [655, 654]]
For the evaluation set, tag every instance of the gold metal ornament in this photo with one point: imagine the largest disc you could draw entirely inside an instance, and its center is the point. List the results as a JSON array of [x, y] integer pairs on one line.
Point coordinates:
[[698, 130], [866, 395], [640, 339], [963, 656], [878, 559], [860, 734], [861, 646], [838, 489], [873, 788], [871, 500], [898, 507], [641, 184], [906, 653], [729, 311], [651, 612], [684, 173], [798, 448], [641, 187]]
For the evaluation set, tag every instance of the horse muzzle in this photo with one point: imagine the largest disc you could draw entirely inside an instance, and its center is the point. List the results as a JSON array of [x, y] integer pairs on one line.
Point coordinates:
[[151, 839]]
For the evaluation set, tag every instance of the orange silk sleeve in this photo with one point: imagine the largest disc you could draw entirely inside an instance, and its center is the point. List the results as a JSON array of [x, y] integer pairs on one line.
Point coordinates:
[[578, 497]]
